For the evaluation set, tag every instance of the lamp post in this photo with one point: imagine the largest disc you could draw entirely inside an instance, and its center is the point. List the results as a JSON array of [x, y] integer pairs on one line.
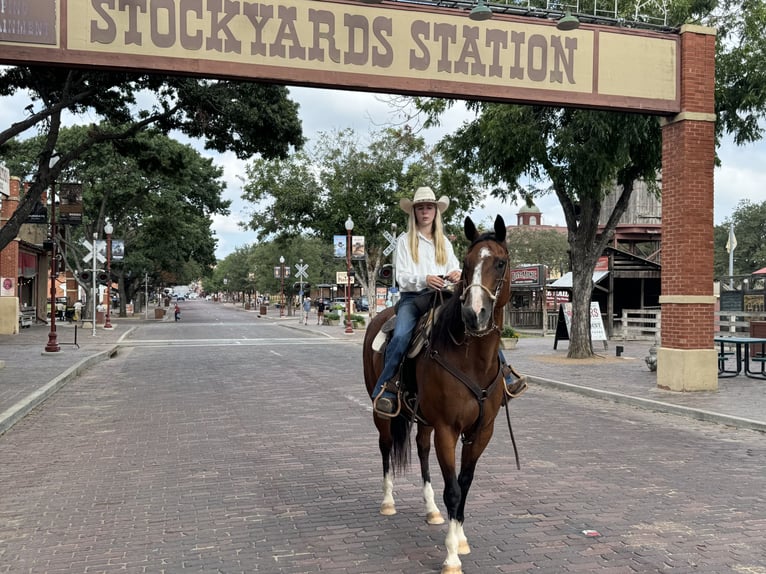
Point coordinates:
[[108, 229], [282, 287], [349, 228], [53, 345]]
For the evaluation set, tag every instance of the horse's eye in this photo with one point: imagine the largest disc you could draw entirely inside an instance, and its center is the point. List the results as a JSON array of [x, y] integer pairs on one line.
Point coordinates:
[[501, 264]]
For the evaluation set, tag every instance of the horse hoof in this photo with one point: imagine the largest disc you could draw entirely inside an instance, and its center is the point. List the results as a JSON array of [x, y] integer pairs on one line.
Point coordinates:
[[435, 518], [452, 569], [463, 547], [387, 509]]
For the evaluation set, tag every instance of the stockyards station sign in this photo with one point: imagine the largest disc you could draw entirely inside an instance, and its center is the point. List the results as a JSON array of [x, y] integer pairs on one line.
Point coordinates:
[[393, 47], [528, 277]]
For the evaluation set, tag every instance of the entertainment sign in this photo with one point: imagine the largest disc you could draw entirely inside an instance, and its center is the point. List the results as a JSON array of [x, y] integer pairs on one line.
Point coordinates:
[[530, 277], [389, 47]]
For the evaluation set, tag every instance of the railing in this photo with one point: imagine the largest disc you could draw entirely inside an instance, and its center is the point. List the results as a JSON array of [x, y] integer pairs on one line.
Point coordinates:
[[638, 324], [524, 318], [736, 322]]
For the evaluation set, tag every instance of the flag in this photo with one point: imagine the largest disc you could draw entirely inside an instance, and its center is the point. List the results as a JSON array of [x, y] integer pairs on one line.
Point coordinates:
[[731, 244]]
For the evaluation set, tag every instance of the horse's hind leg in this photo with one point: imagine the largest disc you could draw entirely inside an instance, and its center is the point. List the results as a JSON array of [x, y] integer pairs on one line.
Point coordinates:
[[423, 440], [387, 507]]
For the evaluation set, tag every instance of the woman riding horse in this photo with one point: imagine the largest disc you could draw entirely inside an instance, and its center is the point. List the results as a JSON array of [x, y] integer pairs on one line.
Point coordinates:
[[425, 262]]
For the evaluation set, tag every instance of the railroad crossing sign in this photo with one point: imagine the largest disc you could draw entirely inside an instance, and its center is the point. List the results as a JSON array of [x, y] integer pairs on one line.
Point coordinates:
[[301, 267], [391, 242], [89, 255]]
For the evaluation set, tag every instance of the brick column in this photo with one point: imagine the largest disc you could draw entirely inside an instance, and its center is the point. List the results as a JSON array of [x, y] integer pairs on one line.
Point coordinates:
[[687, 359], [9, 265]]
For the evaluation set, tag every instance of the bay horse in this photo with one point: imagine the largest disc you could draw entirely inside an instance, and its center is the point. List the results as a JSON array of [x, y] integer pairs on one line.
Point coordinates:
[[458, 382]]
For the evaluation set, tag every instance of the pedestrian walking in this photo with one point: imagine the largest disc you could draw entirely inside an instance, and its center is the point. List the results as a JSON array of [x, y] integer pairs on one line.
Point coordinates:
[[177, 312], [320, 311], [306, 310]]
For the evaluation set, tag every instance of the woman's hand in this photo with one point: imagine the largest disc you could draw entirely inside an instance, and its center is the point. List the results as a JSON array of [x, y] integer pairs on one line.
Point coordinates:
[[435, 282], [453, 276]]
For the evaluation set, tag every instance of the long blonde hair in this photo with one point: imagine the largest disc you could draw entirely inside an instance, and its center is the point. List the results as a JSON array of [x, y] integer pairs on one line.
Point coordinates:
[[437, 230]]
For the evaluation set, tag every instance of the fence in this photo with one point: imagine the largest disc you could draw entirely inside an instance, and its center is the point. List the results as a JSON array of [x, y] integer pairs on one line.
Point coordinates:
[[638, 324], [736, 322]]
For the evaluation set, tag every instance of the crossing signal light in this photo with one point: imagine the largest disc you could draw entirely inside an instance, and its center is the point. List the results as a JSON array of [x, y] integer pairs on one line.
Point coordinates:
[[386, 272], [102, 277], [85, 276]]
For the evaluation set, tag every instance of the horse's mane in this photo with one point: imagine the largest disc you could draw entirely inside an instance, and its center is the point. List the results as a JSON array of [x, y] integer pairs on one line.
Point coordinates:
[[451, 312]]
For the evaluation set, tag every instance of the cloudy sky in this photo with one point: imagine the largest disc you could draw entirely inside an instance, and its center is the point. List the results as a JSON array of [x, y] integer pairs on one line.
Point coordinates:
[[742, 174]]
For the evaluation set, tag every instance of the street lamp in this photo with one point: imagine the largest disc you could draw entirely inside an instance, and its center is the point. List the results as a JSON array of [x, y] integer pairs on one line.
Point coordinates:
[[53, 345], [108, 229], [349, 227], [282, 288]]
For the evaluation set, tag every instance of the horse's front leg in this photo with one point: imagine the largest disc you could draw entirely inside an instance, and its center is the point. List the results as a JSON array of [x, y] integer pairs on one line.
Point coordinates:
[[468, 458], [423, 440]]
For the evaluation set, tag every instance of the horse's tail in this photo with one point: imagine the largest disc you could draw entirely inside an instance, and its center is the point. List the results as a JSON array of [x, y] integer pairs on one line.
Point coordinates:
[[400, 451]]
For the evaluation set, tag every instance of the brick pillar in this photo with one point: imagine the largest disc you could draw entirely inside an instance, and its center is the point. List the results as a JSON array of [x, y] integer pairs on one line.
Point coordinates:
[[687, 359], [9, 265]]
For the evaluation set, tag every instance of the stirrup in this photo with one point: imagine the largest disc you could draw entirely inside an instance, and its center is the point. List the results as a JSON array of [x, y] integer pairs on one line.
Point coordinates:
[[517, 387], [389, 386]]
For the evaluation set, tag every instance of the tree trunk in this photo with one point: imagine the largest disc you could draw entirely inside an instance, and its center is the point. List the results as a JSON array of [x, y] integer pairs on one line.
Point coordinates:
[[580, 345]]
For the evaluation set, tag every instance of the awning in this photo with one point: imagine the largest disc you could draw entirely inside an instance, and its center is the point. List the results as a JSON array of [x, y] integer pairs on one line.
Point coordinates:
[[761, 271], [565, 282]]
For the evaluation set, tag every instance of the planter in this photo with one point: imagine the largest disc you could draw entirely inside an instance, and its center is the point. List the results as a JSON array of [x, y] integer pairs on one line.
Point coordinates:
[[509, 343], [331, 322]]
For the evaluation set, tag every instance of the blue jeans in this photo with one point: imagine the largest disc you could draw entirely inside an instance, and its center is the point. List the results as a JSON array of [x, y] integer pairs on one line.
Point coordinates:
[[407, 316]]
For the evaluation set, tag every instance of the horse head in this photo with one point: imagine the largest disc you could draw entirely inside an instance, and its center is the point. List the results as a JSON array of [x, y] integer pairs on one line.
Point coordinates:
[[486, 277]]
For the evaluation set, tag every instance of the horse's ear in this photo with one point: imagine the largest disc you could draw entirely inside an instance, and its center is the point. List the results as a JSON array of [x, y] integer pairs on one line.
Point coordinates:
[[500, 230], [470, 229]]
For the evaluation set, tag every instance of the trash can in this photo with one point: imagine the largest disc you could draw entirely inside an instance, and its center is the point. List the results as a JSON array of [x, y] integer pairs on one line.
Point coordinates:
[[159, 313], [100, 316], [263, 310], [247, 305]]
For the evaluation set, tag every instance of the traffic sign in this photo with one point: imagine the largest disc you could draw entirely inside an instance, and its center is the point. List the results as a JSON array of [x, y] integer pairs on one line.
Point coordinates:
[[301, 269], [391, 242], [89, 255]]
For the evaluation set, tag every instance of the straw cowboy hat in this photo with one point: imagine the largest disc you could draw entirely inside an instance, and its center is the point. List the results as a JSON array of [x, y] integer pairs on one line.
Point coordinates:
[[424, 195]]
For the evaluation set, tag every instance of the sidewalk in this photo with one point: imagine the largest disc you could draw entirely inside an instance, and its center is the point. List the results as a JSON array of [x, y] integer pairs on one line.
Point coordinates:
[[30, 375]]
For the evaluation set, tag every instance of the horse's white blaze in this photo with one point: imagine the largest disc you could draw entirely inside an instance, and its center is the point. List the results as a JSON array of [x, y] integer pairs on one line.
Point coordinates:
[[478, 296], [451, 542], [433, 514], [387, 507]]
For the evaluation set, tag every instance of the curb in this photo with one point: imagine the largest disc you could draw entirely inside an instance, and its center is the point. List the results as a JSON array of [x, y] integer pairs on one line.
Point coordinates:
[[652, 405], [15, 413]]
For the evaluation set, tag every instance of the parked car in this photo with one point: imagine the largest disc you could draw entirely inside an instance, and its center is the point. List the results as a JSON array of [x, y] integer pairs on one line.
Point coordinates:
[[339, 303], [362, 304]]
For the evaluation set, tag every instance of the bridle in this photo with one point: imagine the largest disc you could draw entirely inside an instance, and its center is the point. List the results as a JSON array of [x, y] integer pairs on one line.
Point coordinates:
[[492, 297]]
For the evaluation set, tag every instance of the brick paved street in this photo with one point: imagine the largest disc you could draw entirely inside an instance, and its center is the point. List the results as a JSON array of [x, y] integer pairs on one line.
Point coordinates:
[[257, 453]]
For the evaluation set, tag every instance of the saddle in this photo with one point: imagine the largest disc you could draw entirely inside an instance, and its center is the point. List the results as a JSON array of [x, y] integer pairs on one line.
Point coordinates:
[[429, 306]]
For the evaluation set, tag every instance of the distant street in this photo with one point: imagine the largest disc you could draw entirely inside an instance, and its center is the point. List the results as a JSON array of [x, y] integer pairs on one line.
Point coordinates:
[[229, 443]]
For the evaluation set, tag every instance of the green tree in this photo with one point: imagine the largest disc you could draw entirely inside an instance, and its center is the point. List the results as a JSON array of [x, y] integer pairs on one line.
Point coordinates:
[[527, 245], [159, 196], [243, 117], [582, 153], [314, 192], [749, 221]]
